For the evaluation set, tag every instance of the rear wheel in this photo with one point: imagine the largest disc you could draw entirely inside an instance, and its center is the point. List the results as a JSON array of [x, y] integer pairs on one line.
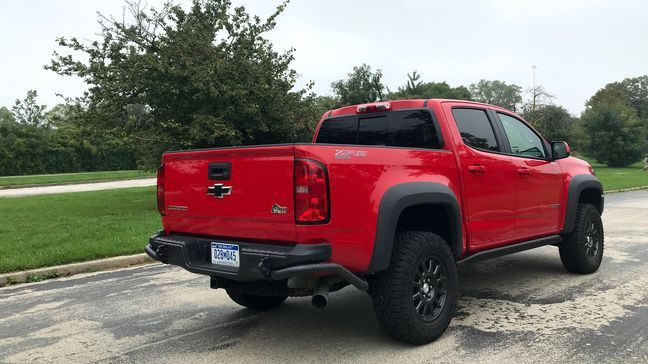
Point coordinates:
[[415, 299], [255, 302], [581, 251]]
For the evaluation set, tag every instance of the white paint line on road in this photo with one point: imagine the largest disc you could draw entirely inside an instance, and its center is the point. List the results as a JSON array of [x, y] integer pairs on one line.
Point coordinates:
[[83, 187]]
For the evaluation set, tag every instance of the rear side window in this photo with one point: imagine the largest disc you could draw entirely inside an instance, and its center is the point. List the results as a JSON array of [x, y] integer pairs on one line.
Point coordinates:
[[476, 131], [405, 128]]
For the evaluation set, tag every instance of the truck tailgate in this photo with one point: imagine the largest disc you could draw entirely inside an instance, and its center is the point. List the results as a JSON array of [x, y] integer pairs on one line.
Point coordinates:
[[244, 192]]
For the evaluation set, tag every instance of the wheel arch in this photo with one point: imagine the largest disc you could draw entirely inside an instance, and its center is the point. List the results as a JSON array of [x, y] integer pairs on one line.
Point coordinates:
[[583, 188], [403, 197]]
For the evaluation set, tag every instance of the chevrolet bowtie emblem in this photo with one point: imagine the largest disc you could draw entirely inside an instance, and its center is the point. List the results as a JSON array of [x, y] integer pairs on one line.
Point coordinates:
[[219, 191]]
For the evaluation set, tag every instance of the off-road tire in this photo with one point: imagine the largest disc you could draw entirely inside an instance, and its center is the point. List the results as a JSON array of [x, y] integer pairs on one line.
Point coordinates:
[[394, 290], [254, 302], [581, 251]]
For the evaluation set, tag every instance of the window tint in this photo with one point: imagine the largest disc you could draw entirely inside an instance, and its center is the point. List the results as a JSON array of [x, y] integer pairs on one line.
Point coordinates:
[[522, 139], [373, 131], [475, 128], [408, 128], [414, 129], [342, 130]]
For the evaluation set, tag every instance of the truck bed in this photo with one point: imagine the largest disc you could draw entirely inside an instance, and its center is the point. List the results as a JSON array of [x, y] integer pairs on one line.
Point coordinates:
[[263, 176]]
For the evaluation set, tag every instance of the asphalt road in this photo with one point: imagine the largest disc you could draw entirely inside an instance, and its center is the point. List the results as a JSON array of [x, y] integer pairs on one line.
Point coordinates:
[[523, 308], [79, 187]]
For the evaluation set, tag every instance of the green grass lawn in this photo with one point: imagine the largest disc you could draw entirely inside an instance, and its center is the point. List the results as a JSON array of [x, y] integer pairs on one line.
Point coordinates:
[[41, 231], [66, 178], [619, 178]]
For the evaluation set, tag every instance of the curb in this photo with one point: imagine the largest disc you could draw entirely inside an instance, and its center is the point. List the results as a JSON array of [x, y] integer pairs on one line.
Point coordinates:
[[35, 275], [627, 189]]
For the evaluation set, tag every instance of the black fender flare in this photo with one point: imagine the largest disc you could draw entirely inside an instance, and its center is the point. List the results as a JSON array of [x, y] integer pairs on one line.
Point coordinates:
[[399, 197], [577, 185]]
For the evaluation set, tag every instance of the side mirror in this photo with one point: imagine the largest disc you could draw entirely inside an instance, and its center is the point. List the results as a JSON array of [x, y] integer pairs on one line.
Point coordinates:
[[560, 150]]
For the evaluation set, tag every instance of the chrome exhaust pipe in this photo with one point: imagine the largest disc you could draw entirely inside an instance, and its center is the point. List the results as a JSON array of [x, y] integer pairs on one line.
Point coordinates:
[[319, 301]]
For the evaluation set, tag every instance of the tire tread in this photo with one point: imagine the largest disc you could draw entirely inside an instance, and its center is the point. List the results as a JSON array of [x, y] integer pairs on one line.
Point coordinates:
[[391, 297], [572, 251]]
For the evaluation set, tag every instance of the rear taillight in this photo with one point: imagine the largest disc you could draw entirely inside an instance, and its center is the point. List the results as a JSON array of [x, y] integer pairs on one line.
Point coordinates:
[[311, 192], [160, 190]]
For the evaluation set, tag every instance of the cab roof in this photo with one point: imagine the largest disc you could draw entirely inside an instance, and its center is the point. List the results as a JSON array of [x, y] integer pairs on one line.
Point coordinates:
[[396, 105]]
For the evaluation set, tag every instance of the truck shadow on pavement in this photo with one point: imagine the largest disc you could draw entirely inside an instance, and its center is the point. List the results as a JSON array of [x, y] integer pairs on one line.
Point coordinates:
[[349, 320]]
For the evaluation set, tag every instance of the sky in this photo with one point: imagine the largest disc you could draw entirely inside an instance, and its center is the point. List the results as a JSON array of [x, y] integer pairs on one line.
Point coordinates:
[[577, 46]]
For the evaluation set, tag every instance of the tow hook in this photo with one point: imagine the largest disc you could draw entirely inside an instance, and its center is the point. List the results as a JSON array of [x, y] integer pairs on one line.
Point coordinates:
[[161, 253], [264, 267]]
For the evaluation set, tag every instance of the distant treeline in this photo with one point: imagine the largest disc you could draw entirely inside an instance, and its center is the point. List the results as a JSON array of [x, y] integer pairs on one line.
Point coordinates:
[[34, 148]]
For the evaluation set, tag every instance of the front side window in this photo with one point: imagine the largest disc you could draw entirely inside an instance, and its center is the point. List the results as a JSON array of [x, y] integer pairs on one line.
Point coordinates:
[[475, 129], [523, 141]]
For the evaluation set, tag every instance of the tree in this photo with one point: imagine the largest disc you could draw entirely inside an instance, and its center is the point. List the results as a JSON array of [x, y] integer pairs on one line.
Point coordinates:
[[554, 122], [614, 134], [203, 77], [413, 86], [320, 104], [28, 111], [417, 89], [538, 97], [414, 83], [499, 93], [636, 91], [59, 115], [361, 86], [441, 90], [6, 116]]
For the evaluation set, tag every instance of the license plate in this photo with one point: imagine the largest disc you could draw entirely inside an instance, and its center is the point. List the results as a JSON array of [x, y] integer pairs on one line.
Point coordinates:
[[225, 254]]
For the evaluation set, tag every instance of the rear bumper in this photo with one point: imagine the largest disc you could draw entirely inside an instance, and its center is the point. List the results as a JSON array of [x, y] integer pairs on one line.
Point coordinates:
[[257, 261]]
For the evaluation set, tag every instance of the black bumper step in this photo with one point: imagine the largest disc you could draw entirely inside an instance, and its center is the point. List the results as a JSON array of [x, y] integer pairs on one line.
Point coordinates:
[[257, 261]]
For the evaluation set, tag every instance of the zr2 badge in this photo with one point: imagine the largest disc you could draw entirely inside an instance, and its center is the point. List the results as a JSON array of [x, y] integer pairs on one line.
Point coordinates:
[[276, 209]]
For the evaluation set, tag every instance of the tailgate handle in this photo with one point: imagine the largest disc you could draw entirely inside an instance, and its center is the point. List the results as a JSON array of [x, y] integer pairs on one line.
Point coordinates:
[[220, 171]]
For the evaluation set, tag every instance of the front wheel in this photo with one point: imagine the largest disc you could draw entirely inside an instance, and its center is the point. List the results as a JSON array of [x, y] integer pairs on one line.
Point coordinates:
[[415, 299], [255, 302], [581, 251]]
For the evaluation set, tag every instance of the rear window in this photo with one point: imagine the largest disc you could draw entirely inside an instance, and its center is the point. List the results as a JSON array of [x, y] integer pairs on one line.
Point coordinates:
[[404, 128]]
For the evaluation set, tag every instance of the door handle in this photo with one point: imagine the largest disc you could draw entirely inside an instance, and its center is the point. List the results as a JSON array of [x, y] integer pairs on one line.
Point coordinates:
[[524, 171], [476, 168], [220, 171]]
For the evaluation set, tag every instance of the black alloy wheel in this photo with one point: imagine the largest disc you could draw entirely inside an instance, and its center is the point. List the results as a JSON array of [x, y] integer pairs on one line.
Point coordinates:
[[428, 289]]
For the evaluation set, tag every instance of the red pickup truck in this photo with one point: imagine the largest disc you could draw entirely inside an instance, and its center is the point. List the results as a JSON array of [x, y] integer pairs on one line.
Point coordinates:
[[388, 197]]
